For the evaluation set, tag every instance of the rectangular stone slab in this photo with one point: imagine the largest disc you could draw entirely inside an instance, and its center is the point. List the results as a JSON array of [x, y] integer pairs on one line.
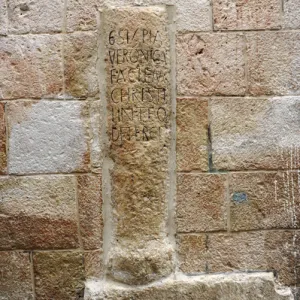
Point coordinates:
[[138, 96]]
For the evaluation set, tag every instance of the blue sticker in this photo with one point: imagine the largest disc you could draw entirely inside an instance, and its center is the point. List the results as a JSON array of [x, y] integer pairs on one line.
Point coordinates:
[[239, 197]]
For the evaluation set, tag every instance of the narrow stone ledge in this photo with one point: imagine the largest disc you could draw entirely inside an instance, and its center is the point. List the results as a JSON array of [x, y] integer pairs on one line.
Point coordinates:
[[242, 286]]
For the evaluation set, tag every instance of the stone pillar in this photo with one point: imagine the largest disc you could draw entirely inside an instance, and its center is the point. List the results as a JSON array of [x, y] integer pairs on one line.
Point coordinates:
[[138, 125]]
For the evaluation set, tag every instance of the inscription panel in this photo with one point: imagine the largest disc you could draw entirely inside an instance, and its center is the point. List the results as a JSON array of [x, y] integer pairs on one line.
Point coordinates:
[[138, 93]]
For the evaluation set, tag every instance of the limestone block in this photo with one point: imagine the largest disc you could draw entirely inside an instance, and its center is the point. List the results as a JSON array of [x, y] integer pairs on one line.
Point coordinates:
[[96, 126], [58, 275], [192, 137], [35, 16], [246, 15], [291, 10], [80, 58], [38, 212], [260, 250], [82, 15], [31, 66], [3, 17], [93, 264], [15, 273], [48, 137], [192, 252], [255, 133], [201, 202], [223, 287], [210, 64], [273, 63], [3, 158], [89, 195], [138, 93], [264, 200]]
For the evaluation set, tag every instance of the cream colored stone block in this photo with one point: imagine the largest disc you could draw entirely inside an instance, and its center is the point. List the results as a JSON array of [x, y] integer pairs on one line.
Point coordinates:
[[273, 63], [48, 137], [38, 212], [255, 133], [246, 15], [192, 135], [264, 200], [211, 64], [201, 202], [35, 16], [291, 12], [31, 66], [16, 282]]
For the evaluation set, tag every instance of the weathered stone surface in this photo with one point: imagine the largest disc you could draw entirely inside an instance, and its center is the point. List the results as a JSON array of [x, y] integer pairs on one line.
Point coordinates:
[[96, 125], [3, 17], [15, 273], [190, 13], [89, 194], [58, 275], [48, 137], [139, 127], [191, 252], [93, 264], [274, 63], [210, 64], [80, 51], [233, 287], [82, 15], [192, 137], [291, 13], [261, 250], [255, 133], [246, 15], [38, 212], [264, 200], [201, 202], [35, 16], [3, 158], [31, 66]]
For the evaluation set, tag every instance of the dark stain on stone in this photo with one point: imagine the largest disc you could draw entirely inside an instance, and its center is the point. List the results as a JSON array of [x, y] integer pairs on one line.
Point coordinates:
[[24, 7]]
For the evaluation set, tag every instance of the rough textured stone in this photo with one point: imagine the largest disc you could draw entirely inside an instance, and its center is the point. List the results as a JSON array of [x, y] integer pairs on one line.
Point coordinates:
[[15, 270], [255, 133], [3, 158], [264, 200], [82, 15], [246, 15], [31, 66], [96, 125], [191, 253], [48, 137], [274, 63], [201, 202], [35, 16], [262, 250], [210, 64], [38, 212], [80, 57], [192, 138], [89, 196], [3, 17], [190, 13], [93, 264], [58, 275], [233, 287], [291, 14], [139, 141]]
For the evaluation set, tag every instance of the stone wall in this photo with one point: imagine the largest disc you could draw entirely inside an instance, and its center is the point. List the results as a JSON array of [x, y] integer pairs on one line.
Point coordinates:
[[205, 205]]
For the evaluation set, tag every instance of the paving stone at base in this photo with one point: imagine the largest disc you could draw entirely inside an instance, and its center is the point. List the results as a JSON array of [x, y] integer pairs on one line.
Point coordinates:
[[220, 287]]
